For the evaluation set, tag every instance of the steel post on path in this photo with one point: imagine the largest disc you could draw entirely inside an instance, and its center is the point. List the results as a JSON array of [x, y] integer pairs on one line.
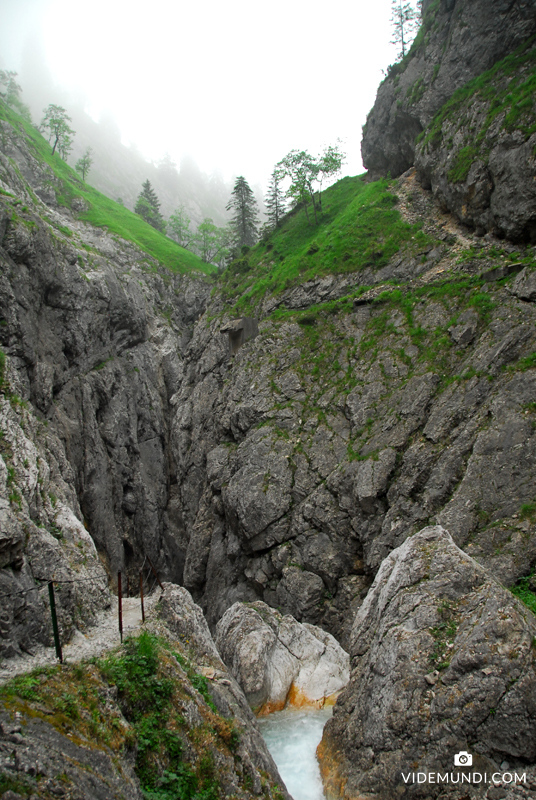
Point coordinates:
[[141, 597], [55, 628], [120, 605]]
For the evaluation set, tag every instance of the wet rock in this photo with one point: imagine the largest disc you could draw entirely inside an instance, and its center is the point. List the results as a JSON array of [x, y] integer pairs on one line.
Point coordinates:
[[442, 662], [524, 285], [277, 660], [372, 478], [464, 39], [465, 329]]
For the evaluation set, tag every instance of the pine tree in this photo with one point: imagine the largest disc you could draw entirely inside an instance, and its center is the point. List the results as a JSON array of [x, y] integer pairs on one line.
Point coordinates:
[[148, 207], [405, 22], [245, 220], [275, 200]]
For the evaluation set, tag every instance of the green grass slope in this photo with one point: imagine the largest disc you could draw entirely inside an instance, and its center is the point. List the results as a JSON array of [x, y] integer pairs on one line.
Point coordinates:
[[103, 212], [359, 227]]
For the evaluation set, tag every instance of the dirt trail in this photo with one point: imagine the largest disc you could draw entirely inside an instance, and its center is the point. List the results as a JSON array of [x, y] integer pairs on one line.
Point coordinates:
[[104, 635]]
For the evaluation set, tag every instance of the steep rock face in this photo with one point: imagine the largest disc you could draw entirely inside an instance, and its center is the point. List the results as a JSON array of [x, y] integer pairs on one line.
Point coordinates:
[[286, 473], [442, 661], [311, 481], [91, 334], [277, 660], [459, 40], [478, 154], [42, 537]]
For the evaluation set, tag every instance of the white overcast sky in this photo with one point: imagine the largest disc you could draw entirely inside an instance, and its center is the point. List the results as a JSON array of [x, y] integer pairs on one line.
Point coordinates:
[[236, 84]]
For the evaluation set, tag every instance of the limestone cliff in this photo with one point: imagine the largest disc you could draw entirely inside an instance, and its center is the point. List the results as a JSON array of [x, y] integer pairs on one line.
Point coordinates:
[[476, 153], [285, 473]]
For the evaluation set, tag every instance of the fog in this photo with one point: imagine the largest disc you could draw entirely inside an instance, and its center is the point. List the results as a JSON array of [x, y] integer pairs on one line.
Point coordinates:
[[233, 86]]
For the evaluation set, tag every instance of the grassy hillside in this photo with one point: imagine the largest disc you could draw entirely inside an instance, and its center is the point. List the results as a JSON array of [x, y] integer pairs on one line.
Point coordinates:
[[103, 212], [359, 227]]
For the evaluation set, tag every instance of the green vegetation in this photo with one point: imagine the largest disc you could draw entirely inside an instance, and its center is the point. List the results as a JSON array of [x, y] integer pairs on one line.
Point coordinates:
[[528, 511], [151, 690], [101, 211], [360, 227], [523, 591], [508, 89], [395, 70], [444, 634]]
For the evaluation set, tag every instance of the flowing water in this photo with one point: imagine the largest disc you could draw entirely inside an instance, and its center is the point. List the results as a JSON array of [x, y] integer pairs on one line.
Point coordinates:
[[292, 737]]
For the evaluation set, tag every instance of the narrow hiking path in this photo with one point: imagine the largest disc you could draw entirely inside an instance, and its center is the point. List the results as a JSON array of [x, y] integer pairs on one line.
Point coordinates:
[[102, 636]]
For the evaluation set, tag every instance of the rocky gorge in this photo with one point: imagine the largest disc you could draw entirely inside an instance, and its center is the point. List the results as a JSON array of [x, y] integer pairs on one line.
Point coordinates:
[[357, 477]]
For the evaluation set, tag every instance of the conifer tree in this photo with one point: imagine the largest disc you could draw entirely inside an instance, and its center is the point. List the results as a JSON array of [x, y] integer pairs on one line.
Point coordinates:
[[245, 220], [148, 207], [275, 200], [405, 21]]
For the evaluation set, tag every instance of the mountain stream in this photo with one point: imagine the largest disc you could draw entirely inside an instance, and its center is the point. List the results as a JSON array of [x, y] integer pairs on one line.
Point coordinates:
[[292, 737]]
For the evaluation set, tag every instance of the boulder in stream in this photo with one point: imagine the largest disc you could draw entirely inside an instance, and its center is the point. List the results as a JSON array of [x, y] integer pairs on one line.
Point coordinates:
[[279, 661]]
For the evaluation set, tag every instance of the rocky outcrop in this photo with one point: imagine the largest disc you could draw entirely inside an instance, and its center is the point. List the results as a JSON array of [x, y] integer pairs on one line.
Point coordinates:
[[459, 40], [477, 157], [278, 661], [75, 732], [42, 537], [477, 153], [442, 662]]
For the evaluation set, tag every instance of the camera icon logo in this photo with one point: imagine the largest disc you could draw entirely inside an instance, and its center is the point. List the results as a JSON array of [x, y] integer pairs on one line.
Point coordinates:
[[463, 759]]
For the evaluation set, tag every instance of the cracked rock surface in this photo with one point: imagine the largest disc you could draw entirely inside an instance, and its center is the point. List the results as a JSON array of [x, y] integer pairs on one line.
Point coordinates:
[[442, 660]]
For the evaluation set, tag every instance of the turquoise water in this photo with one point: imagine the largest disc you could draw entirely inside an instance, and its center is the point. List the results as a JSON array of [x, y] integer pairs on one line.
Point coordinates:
[[292, 737]]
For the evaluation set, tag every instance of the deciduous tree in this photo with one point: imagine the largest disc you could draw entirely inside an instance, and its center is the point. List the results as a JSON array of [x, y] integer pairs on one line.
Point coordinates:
[[329, 166], [212, 243], [56, 122], [11, 93], [179, 226], [307, 173], [83, 165], [148, 207], [302, 169]]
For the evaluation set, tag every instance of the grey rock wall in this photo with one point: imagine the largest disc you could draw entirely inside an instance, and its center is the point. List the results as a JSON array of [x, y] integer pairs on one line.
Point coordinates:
[[442, 662], [284, 474], [92, 335], [460, 40], [478, 163]]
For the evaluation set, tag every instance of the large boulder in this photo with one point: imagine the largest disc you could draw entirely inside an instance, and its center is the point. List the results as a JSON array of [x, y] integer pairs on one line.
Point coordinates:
[[442, 662], [279, 661]]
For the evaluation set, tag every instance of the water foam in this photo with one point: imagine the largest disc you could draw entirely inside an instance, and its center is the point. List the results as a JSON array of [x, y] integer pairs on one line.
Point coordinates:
[[292, 737]]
